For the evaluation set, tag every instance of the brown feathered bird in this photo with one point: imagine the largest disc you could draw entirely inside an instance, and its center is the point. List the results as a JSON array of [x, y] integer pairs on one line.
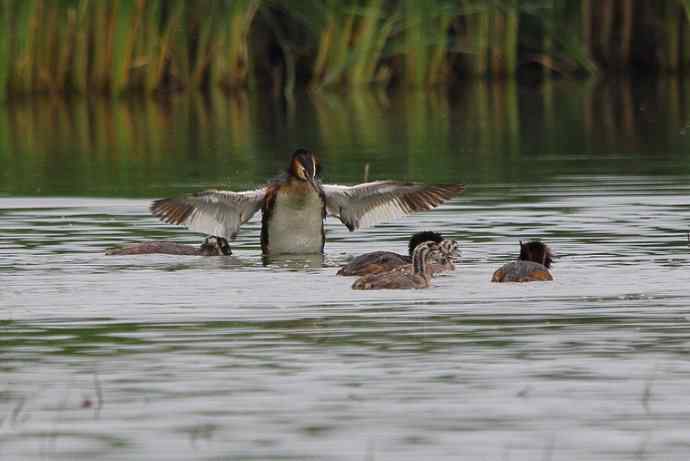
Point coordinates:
[[417, 275], [212, 246], [532, 265], [383, 261]]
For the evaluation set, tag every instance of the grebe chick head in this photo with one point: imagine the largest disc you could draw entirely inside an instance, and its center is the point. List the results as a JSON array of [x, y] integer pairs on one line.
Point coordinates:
[[425, 253], [536, 251], [421, 237], [215, 246], [450, 249], [305, 166]]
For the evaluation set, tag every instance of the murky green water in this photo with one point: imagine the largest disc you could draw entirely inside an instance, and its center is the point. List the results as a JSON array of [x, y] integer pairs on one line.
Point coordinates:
[[176, 358]]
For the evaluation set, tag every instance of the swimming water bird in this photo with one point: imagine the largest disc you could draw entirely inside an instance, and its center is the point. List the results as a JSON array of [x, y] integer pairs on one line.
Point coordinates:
[[294, 206], [212, 246], [532, 265], [402, 277], [383, 261]]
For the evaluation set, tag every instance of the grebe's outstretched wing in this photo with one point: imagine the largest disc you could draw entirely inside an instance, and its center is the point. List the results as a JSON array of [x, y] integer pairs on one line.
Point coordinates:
[[212, 212], [372, 202]]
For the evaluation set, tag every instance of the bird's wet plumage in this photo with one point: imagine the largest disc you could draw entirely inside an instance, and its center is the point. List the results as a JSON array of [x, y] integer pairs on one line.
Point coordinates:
[[522, 271], [295, 206], [383, 261], [416, 275], [212, 246], [292, 219], [532, 265]]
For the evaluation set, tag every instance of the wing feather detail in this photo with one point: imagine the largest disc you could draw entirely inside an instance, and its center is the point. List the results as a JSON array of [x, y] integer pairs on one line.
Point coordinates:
[[369, 203], [212, 212]]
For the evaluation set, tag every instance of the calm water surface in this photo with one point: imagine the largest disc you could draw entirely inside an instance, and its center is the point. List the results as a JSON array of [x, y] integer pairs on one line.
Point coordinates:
[[177, 357]]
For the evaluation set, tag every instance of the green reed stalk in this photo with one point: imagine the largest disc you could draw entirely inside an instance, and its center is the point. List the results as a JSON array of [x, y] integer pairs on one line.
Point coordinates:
[[80, 56], [606, 20], [40, 54], [497, 42], [166, 58], [439, 66], [336, 55], [418, 17], [283, 41], [426, 40], [365, 52], [154, 46], [326, 43], [5, 47], [512, 31], [684, 24], [346, 38], [57, 48], [99, 44], [203, 50], [671, 31], [241, 17], [180, 56], [686, 45], [547, 39], [574, 43], [127, 18], [586, 26], [685, 5], [379, 74], [65, 44], [333, 26], [482, 42], [626, 31], [20, 60]]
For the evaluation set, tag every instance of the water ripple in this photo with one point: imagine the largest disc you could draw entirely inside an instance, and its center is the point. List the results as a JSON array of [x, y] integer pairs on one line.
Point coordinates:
[[217, 358]]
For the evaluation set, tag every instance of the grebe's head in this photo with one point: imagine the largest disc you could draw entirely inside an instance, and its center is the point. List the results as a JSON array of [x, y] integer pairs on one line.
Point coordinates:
[[421, 237], [429, 252], [305, 166], [536, 251], [215, 246], [450, 248]]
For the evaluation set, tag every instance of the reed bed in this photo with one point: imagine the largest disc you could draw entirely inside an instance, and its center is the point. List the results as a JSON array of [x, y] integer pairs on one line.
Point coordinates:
[[115, 47]]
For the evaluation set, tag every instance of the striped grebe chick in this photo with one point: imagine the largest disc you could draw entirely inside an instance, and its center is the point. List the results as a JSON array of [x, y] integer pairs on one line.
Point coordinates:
[[402, 277], [450, 250], [294, 206], [532, 265], [212, 246], [383, 261]]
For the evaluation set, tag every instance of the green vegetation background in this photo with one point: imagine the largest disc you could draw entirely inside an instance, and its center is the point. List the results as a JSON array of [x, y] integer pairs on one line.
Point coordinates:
[[116, 46]]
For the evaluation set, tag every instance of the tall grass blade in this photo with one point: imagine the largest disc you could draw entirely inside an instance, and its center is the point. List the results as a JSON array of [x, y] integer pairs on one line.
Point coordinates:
[[5, 47]]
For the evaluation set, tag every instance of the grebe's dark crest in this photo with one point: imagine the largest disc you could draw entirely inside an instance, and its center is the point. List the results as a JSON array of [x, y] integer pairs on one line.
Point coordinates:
[[294, 207], [536, 251], [421, 237], [532, 265]]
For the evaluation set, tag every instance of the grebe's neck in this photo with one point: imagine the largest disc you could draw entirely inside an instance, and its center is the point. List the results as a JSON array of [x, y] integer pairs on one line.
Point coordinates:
[[419, 258]]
